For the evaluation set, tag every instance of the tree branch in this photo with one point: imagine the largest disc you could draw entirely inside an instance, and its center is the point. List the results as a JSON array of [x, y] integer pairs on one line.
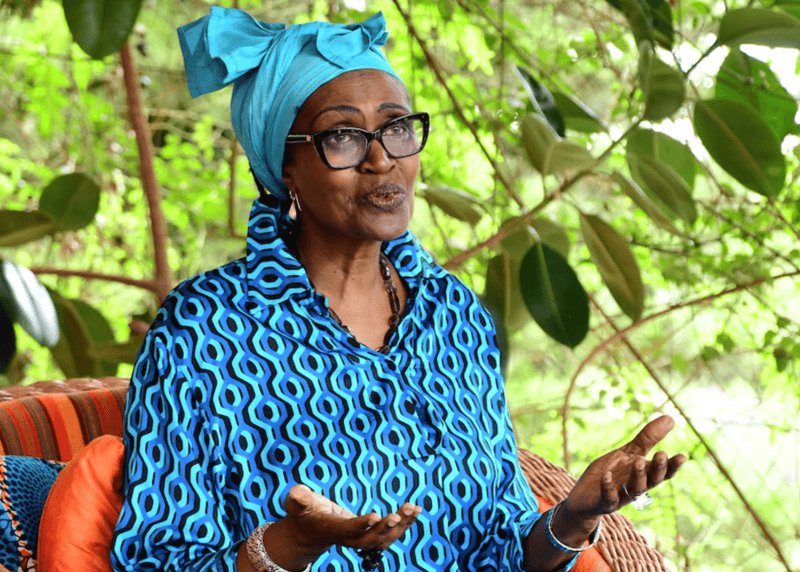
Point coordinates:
[[437, 70], [162, 280], [90, 275]]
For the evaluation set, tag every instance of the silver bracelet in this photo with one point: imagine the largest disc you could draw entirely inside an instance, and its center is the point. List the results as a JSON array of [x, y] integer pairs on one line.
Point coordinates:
[[258, 554], [593, 537]]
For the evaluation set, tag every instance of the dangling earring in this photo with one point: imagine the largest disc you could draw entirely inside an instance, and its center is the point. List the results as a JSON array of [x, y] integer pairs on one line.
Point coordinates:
[[295, 202]]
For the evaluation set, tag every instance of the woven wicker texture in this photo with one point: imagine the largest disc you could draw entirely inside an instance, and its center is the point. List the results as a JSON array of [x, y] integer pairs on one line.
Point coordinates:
[[624, 549]]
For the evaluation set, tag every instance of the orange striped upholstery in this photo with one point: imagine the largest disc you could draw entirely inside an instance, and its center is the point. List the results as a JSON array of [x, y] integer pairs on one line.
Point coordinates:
[[57, 426]]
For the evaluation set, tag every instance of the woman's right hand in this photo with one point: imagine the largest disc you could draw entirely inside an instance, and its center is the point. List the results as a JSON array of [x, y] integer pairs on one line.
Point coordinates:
[[314, 523]]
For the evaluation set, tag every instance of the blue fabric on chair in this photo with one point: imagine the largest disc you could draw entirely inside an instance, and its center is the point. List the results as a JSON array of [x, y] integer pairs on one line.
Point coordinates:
[[24, 485]]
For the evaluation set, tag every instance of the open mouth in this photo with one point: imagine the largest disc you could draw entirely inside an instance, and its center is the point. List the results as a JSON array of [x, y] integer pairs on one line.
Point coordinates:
[[385, 197]]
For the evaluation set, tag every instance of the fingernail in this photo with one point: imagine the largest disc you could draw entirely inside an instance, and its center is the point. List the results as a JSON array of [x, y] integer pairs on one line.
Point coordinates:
[[408, 511]]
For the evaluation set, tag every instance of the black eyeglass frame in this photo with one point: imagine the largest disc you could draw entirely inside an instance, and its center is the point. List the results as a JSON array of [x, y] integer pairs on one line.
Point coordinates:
[[318, 137]]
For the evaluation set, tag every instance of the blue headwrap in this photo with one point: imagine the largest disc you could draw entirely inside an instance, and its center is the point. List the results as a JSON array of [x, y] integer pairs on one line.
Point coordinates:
[[274, 69]]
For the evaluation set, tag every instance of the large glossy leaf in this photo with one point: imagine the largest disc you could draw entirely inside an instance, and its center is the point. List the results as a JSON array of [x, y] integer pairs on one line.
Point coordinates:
[[656, 145], [616, 263], [70, 353], [458, 204], [554, 296], [662, 85], [9, 345], [537, 138], [542, 101], [101, 27], [71, 201], [751, 81], [21, 227], [553, 235], [662, 183], [577, 116], [114, 353], [100, 332], [640, 198], [759, 26], [28, 303], [741, 142], [650, 20]]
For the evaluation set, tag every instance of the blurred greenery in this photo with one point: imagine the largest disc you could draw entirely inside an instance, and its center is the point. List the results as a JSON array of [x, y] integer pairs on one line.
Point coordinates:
[[679, 153]]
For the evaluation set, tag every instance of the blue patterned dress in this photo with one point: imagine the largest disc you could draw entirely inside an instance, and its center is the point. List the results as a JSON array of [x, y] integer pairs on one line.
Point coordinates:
[[245, 386]]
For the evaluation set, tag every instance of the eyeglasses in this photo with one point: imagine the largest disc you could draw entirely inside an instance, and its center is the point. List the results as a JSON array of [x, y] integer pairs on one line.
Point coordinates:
[[346, 147]]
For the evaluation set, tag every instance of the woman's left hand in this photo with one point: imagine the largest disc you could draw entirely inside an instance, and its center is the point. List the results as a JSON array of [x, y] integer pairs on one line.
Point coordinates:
[[618, 477]]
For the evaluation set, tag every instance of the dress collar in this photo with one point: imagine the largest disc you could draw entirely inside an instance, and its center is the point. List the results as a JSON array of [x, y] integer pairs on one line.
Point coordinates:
[[274, 275]]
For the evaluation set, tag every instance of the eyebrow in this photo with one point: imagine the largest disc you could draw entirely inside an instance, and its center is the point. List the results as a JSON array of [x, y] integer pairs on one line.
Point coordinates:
[[351, 109]]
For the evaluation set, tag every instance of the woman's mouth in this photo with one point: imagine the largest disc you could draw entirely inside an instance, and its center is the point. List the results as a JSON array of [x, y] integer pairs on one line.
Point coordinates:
[[386, 197]]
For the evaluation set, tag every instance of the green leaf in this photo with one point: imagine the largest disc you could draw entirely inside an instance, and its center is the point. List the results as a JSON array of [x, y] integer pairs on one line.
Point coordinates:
[[28, 303], [751, 81], [9, 346], [537, 138], [21, 227], [503, 291], [71, 201], [742, 143], [456, 203], [759, 26], [656, 145], [553, 235], [614, 260], [650, 208], [663, 86], [566, 156], [663, 184], [115, 352], [554, 296], [101, 27], [577, 116], [82, 326], [542, 100]]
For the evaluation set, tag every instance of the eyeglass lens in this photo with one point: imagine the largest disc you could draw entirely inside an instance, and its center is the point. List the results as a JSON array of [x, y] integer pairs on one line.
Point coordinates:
[[348, 148]]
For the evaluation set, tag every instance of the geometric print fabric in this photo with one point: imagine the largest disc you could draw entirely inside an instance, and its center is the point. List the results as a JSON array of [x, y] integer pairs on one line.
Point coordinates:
[[245, 386]]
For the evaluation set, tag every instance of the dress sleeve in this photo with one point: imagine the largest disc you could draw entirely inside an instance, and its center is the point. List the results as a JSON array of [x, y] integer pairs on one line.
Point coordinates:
[[172, 517]]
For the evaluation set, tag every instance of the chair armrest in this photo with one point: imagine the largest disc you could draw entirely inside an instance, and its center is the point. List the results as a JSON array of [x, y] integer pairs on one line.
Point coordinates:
[[621, 546]]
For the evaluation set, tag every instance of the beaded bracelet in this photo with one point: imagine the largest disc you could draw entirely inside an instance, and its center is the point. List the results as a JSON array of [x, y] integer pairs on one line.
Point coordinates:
[[593, 537], [258, 554]]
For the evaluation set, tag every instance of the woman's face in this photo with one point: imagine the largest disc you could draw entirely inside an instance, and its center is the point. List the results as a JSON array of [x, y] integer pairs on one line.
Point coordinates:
[[373, 201]]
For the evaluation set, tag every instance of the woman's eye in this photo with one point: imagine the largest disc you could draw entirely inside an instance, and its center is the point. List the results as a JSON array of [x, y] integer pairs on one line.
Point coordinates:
[[396, 130], [340, 139]]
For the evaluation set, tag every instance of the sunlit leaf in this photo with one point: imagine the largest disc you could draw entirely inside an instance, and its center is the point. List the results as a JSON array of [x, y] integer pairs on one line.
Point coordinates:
[[759, 26], [101, 27], [20, 227], [553, 235], [640, 198], [662, 85], [537, 138], [656, 145], [566, 156], [503, 291], [741, 142], [663, 184], [542, 100], [554, 296], [616, 263], [71, 201], [456, 203], [751, 81], [577, 116], [116, 352], [28, 303]]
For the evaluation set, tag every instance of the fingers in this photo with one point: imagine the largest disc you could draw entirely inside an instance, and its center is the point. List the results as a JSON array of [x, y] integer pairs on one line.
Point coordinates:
[[674, 464], [649, 436], [388, 529]]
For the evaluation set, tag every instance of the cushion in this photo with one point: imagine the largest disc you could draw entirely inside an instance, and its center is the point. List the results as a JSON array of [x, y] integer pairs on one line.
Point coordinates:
[[24, 484], [588, 560], [82, 510]]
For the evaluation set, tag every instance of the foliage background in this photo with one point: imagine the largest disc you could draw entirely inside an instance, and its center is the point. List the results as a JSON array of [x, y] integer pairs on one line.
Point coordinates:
[[717, 345]]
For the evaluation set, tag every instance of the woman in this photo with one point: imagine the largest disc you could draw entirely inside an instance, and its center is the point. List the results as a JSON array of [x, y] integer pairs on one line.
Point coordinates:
[[336, 370]]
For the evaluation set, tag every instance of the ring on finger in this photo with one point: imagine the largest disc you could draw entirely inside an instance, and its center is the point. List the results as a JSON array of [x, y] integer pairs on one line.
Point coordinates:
[[639, 502]]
